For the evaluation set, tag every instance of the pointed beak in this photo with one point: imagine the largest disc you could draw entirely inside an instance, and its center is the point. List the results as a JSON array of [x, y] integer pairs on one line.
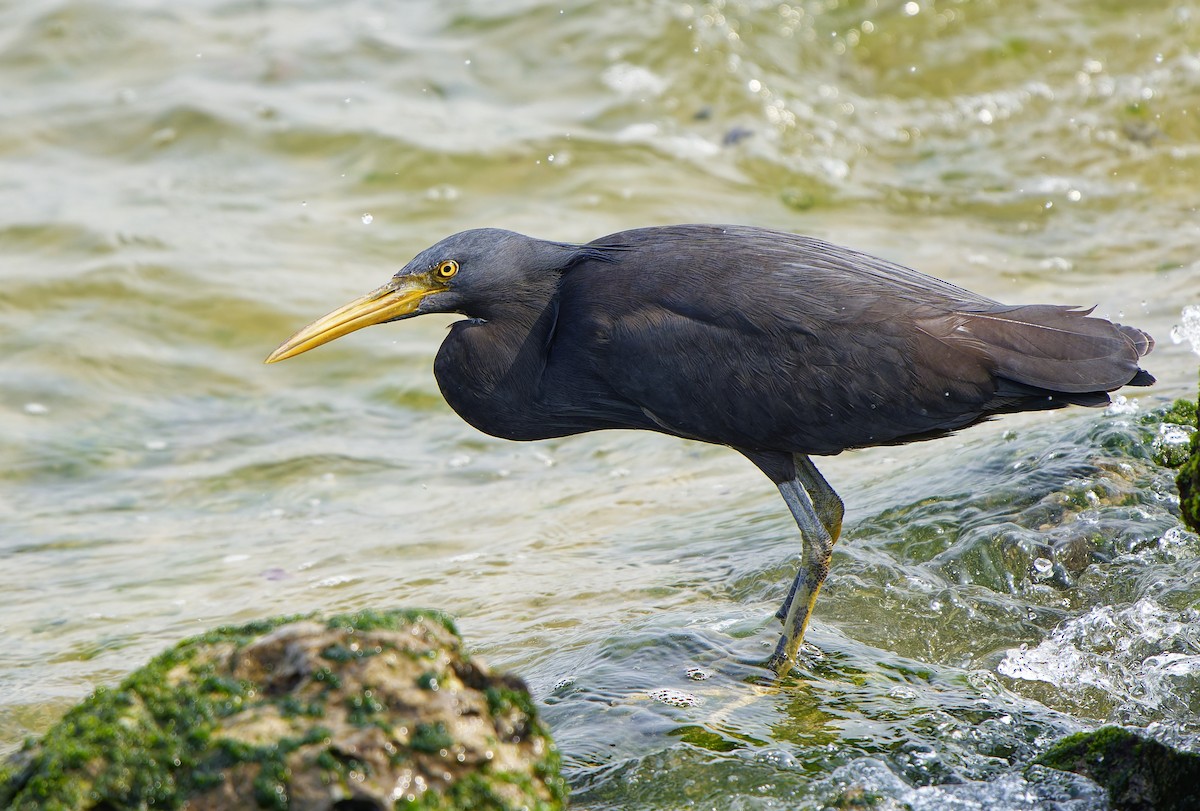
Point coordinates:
[[398, 298]]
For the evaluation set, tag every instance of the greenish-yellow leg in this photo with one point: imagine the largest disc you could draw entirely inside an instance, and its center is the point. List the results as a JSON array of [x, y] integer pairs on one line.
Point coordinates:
[[818, 512]]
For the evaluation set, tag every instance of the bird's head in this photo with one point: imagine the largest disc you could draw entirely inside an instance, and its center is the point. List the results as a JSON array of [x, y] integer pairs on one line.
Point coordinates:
[[474, 272]]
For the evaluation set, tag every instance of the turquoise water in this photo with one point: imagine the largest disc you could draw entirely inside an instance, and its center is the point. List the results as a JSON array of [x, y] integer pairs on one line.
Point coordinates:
[[184, 186]]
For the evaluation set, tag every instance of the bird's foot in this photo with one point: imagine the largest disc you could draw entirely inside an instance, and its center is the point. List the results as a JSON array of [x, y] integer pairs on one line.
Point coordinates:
[[795, 614], [779, 666]]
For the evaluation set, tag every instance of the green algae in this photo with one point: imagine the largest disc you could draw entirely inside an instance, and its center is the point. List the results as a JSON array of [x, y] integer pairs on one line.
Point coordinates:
[[162, 736], [704, 738], [1185, 460], [1139, 773], [472, 792], [1180, 412], [1188, 482], [431, 738], [1188, 479]]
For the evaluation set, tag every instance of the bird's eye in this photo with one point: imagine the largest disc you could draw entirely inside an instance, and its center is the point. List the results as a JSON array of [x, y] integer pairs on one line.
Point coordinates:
[[446, 269]]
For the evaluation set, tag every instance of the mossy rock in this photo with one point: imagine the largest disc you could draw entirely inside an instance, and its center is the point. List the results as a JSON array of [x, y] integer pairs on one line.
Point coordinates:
[[1180, 412], [1188, 480], [376, 710], [1178, 446], [1139, 773], [1176, 425]]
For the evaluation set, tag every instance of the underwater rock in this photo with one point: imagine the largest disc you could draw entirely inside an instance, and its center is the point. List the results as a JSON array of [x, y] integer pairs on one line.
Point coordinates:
[[1139, 773], [373, 710]]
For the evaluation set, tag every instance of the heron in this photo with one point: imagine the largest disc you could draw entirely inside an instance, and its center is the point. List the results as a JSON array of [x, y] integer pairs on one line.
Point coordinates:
[[780, 346]]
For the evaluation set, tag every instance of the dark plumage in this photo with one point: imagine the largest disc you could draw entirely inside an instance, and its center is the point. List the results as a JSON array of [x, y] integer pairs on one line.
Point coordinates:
[[779, 346]]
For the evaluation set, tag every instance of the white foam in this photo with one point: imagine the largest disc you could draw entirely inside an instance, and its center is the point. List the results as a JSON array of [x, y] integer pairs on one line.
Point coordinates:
[[1189, 327]]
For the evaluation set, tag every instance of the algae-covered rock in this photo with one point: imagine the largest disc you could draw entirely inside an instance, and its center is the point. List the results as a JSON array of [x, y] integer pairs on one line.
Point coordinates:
[[364, 711], [1139, 773], [1188, 482], [1177, 445], [1176, 430], [1188, 479]]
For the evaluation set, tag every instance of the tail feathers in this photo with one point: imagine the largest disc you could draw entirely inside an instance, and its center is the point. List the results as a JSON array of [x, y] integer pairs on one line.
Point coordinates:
[[1055, 349], [1142, 378], [1143, 344], [1013, 396]]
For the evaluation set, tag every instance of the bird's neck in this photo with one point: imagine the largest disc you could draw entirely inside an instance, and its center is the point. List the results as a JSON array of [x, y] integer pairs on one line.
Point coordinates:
[[490, 370]]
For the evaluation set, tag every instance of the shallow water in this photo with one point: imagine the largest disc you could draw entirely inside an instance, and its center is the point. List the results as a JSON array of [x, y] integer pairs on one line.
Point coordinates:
[[185, 186]]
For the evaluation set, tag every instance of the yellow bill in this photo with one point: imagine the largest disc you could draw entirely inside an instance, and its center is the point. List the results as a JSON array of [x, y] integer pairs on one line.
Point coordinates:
[[396, 299]]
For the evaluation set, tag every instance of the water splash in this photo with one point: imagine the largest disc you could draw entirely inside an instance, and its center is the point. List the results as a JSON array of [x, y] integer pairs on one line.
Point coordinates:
[[1145, 656], [1036, 788], [1123, 405], [1189, 328]]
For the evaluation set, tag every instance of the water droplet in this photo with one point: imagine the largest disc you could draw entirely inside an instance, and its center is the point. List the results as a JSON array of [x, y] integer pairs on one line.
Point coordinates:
[[912, 9], [36, 409], [367, 219], [442, 192]]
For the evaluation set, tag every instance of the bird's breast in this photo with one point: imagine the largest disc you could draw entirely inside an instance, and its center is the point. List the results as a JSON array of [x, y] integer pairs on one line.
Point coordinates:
[[491, 377], [519, 386]]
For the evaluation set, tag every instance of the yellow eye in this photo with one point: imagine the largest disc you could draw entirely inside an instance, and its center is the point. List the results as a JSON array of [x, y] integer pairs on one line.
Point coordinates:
[[446, 269]]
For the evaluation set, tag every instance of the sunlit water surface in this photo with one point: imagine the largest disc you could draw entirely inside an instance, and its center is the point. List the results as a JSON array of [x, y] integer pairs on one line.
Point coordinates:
[[183, 185]]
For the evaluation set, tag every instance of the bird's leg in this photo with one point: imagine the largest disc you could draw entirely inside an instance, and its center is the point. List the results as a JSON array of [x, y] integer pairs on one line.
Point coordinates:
[[818, 512], [825, 501], [828, 503]]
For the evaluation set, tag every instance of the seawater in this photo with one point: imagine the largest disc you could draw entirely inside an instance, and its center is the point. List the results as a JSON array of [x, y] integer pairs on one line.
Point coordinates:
[[185, 185]]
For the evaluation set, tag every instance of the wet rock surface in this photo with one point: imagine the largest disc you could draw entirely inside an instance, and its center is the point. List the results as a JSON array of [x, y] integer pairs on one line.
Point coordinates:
[[1188, 479], [1139, 773], [362, 711]]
